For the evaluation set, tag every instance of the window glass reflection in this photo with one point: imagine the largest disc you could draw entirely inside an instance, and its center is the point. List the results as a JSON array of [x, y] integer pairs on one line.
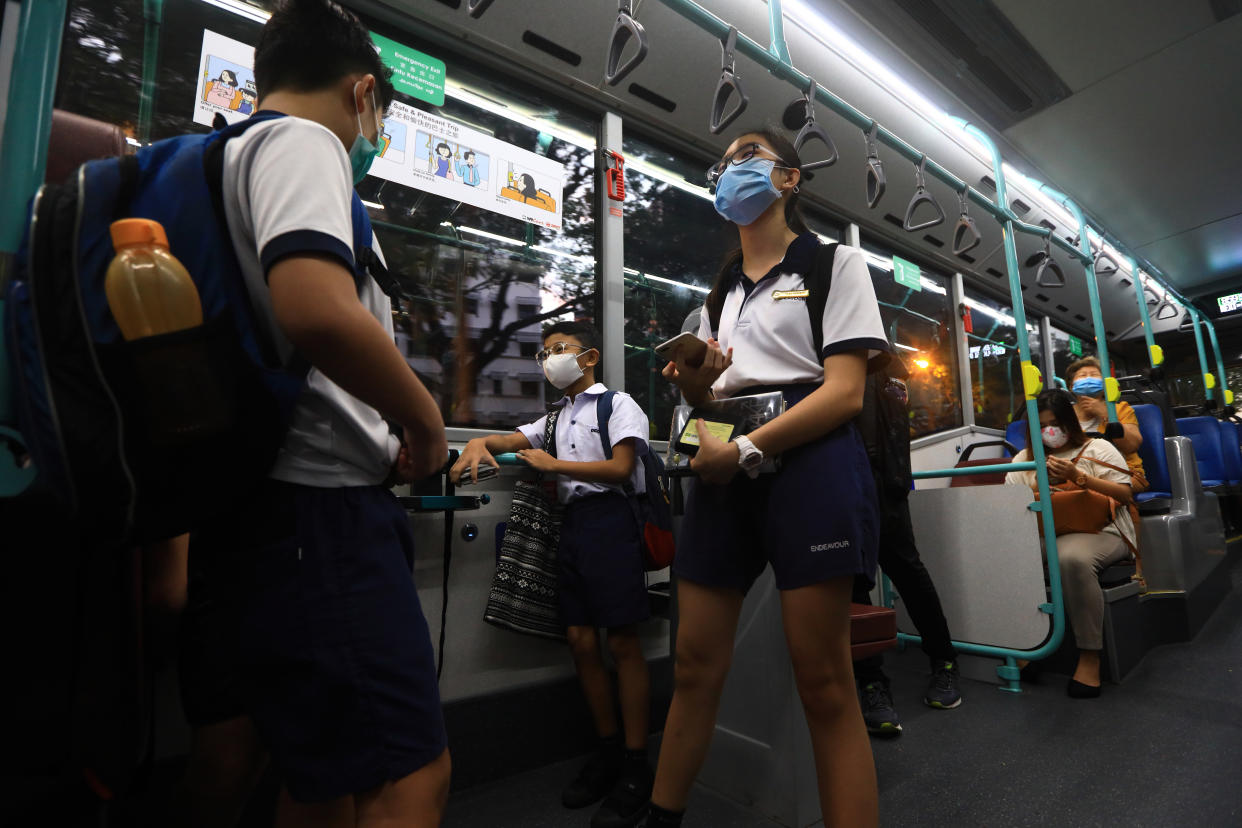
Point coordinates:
[[995, 362]]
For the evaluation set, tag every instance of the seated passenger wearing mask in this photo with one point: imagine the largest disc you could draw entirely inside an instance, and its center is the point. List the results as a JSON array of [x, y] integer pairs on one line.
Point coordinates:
[[1095, 465], [1086, 380]]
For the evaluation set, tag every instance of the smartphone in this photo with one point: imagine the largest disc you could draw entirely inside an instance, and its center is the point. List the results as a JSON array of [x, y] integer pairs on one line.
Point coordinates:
[[486, 472], [690, 347]]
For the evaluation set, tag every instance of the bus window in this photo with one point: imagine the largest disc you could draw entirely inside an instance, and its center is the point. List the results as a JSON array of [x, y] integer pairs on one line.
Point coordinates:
[[674, 242], [995, 362], [919, 324]]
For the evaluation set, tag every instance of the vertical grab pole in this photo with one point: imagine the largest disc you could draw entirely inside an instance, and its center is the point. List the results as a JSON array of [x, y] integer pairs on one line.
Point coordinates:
[[1154, 353], [1226, 396], [1112, 392], [1208, 380], [776, 43], [1032, 384], [153, 14]]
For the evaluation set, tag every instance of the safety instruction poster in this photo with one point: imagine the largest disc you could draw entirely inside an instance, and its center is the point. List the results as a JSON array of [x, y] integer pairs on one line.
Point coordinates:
[[443, 157], [225, 80]]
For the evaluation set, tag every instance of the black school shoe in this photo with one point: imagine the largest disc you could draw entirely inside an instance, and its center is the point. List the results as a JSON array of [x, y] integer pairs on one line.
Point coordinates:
[[627, 804], [594, 780]]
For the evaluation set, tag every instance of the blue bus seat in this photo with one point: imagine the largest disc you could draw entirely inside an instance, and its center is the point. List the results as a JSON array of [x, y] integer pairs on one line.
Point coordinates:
[[1015, 433], [1204, 434], [1231, 451], [1152, 453]]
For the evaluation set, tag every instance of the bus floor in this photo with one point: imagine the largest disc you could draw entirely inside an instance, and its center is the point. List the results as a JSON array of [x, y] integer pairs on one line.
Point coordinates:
[[1163, 748]]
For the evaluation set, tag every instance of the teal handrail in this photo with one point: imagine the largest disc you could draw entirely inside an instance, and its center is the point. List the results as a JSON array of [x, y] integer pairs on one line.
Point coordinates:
[[23, 161], [1093, 296], [1154, 355], [1203, 361], [776, 23], [969, 470], [153, 14], [1222, 379]]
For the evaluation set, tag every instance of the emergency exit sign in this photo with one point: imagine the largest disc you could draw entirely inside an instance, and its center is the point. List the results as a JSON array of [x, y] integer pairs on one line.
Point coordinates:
[[414, 73], [907, 274], [1075, 346]]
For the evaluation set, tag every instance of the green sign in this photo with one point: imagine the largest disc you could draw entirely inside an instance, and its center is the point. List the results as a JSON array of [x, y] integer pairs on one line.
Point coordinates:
[[1075, 346], [417, 75], [907, 274], [1230, 303]]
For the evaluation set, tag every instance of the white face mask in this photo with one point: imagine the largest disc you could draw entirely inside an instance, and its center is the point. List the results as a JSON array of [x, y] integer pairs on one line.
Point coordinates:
[[1054, 437], [562, 370]]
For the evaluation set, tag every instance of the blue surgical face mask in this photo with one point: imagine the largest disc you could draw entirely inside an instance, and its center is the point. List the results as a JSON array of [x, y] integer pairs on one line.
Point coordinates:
[[363, 151], [745, 190], [1089, 386]]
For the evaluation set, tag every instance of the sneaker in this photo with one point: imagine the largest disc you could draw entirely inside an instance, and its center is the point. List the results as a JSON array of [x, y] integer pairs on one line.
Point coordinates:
[[593, 782], [942, 690], [627, 804], [877, 709]]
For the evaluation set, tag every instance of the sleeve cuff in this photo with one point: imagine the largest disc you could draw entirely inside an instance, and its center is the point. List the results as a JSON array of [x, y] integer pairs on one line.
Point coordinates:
[[304, 241], [862, 344], [533, 435], [625, 435]]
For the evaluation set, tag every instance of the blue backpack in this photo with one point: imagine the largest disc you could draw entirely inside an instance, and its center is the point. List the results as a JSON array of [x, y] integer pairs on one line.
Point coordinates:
[[146, 439], [652, 509]]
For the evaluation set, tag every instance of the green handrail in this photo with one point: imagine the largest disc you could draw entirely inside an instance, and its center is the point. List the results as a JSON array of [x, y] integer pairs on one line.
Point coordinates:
[[1222, 379], [1154, 355], [23, 161], [1205, 374], [153, 14], [776, 23], [969, 470], [1093, 296]]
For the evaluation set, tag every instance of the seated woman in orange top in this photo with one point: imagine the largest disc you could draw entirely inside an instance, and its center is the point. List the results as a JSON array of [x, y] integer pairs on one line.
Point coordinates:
[[1093, 413]]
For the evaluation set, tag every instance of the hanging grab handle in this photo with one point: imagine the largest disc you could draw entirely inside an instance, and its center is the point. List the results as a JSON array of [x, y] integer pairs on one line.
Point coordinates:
[[729, 83], [625, 28], [966, 236], [1049, 274], [812, 131], [1104, 264], [875, 167], [921, 196], [477, 7]]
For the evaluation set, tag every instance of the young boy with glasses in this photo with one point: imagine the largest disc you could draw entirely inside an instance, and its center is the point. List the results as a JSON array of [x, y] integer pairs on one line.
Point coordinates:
[[602, 583]]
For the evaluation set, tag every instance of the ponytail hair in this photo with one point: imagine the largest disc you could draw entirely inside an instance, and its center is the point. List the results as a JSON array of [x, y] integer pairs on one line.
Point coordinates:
[[784, 150]]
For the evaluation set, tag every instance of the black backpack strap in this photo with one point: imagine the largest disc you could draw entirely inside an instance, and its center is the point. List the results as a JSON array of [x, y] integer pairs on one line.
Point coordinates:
[[818, 280], [603, 413]]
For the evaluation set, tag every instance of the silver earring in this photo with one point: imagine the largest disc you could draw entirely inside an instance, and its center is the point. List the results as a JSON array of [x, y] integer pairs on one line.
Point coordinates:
[[795, 189]]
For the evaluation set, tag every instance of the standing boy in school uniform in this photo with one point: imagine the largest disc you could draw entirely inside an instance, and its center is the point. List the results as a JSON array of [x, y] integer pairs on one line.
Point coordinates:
[[602, 583]]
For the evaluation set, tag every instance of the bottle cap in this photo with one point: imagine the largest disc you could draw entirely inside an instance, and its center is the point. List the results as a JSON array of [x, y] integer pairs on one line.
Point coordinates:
[[129, 232]]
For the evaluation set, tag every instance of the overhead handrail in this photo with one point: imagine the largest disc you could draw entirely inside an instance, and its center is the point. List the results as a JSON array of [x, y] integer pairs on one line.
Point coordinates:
[[625, 28], [921, 196], [476, 7], [966, 236], [729, 82], [875, 167], [1048, 274], [800, 115]]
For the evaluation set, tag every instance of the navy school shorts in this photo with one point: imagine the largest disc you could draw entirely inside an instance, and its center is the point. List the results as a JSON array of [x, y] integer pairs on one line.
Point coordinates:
[[602, 580], [337, 665], [814, 520]]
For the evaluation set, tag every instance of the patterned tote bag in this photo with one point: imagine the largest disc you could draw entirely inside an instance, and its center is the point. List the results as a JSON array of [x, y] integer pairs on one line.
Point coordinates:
[[523, 595]]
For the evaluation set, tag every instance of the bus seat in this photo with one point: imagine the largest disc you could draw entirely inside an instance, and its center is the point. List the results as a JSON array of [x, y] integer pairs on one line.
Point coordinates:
[[1015, 433], [990, 479], [1204, 434], [1152, 453], [75, 139], [1231, 450], [872, 630]]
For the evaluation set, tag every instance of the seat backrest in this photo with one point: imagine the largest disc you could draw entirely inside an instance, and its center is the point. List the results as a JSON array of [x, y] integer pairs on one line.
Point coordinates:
[[1204, 434], [1150, 396], [75, 139], [1155, 462], [1231, 451], [1015, 433]]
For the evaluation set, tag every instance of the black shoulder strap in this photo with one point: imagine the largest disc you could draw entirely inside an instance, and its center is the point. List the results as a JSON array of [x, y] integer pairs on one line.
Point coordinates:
[[603, 413], [818, 281], [549, 431]]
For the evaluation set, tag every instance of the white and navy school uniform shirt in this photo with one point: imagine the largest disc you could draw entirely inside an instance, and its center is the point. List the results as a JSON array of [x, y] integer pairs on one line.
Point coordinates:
[[288, 190], [770, 332], [578, 439]]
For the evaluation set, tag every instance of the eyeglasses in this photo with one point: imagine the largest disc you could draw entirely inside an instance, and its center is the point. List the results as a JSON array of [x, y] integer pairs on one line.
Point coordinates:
[[558, 348], [741, 156]]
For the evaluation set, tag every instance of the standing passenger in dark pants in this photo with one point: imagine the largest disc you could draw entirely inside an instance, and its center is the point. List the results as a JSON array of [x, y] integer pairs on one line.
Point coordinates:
[[883, 424]]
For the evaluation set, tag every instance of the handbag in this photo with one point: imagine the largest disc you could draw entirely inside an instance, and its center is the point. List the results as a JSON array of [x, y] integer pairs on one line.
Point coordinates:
[[523, 597]]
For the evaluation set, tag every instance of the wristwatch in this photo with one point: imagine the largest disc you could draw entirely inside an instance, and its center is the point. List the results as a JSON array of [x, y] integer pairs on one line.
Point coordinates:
[[1081, 479], [749, 457]]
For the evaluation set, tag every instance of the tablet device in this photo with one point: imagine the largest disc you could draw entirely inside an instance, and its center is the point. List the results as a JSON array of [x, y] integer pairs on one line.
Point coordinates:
[[692, 349]]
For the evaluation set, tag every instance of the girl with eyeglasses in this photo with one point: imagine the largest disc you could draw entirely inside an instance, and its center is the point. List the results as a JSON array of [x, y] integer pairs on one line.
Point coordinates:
[[815, 518]]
